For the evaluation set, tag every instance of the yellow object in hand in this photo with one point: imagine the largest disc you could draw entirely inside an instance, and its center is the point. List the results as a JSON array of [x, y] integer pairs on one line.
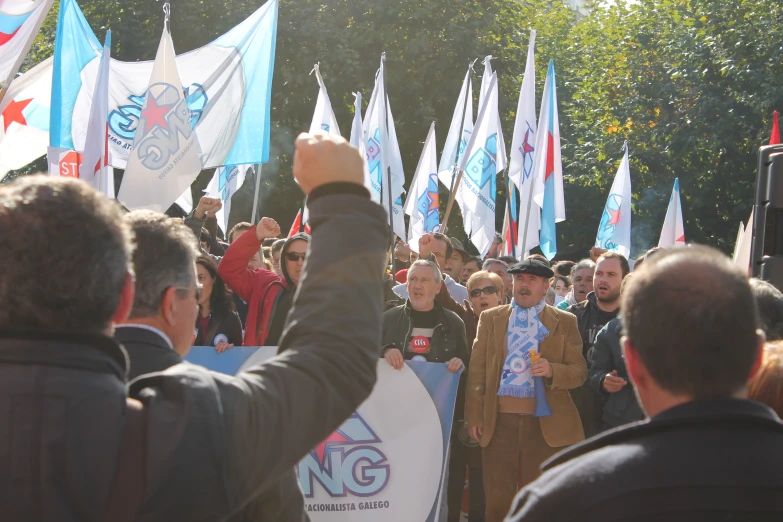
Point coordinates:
[[534, 355]]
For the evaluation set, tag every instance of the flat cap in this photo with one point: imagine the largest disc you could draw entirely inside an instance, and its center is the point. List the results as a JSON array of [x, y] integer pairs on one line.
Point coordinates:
[[532, 266], [457, 245]]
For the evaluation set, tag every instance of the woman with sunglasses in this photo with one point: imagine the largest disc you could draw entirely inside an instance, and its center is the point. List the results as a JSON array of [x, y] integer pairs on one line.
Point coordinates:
[[217, 323]]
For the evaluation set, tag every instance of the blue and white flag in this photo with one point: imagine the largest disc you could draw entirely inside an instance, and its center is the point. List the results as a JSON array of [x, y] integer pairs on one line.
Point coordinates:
[[224, 184], [383, 154], [165, 159], [481, 163], [614, 231], [386, 462], [520, 168], [227, 84], [422, 202], [20, 21]]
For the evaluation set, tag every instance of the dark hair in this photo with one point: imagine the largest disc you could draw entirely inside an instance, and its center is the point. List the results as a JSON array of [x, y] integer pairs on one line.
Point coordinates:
[[220, 301], [239, 227], [654, 251], [562, 278], [164, 257], [692, 318], [563, 268], [638, 263], [277, 246], [474, 259], [770, 305], [624, 266], [509, 260], [445, 238], [66, 255], [204, 235]]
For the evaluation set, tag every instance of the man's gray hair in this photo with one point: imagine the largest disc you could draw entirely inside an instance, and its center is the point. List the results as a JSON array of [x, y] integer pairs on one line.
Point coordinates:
[[166, 251], [431, 264], [584, 263], [66, 255], [491, 261]]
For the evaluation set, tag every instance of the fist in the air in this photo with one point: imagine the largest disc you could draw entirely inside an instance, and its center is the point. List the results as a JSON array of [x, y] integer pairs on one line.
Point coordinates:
[[207, 205], [322, 158], [267, 228]]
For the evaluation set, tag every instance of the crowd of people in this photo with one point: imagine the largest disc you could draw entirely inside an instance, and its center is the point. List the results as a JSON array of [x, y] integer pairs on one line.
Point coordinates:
[[558, 362]]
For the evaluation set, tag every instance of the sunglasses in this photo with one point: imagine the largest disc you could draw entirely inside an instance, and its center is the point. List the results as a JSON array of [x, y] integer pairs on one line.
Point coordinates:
[[488, 290], [294, 257]]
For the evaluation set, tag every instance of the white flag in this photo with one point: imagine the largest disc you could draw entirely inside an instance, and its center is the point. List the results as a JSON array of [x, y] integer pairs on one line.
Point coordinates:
[[323, 118], [744, 241], [614, 231], [357, 137], [185, 201], [94, 168], [480, 167], [164, 160], [383, 154], [422, 202], [24, 118], [224, 184], [673, 232], [520, 168]]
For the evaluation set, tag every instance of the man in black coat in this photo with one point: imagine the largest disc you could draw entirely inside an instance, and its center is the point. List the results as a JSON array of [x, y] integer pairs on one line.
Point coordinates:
[[706, 453], [207, 444]]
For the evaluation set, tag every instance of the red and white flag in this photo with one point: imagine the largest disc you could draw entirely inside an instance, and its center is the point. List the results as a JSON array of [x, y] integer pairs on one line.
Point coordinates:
[[296, 228]]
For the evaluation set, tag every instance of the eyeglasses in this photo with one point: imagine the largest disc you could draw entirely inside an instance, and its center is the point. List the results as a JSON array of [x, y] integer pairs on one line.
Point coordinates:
[[294, 257], [199, 289], [488, 290]]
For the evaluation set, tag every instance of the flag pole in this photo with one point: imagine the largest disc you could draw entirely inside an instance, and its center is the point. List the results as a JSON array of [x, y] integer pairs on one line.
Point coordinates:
[[384, 155], [451, 197], [255, 197], [445, 225], [509, 188], [527, 214]]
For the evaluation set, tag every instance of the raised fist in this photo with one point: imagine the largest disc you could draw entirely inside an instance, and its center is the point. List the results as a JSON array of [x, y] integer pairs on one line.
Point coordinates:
[[322, 158], [207, 205], [267, 228], [597, 252], [425, 245]]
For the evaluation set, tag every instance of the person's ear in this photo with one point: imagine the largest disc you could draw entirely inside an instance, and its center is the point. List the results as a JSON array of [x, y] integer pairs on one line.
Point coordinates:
[[125, 305], [168, 305], [633, 363]]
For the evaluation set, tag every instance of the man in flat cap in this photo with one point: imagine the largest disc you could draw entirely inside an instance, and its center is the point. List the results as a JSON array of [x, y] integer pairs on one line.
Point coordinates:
[[526, 357]]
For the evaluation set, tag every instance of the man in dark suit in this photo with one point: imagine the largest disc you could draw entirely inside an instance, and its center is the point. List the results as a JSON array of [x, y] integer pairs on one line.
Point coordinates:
[[706, 453], [159, 331]]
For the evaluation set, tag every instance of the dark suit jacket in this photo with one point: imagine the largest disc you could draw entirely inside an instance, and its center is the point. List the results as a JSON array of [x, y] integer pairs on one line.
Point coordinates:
[[147, 351], [708, 460]]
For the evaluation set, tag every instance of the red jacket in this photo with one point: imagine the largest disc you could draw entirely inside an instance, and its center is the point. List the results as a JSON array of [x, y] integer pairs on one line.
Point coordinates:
[[259, 288]]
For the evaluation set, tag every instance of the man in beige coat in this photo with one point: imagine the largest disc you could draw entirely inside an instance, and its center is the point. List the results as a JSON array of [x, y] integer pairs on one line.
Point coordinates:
[[525, 358]]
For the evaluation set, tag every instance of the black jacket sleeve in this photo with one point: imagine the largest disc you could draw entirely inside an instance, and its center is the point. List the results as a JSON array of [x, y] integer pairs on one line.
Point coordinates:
[[277, 412], [601, 356], [463, 350]]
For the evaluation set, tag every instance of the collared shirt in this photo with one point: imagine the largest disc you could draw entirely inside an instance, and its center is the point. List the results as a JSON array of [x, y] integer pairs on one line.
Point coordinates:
[[149, 328], [458, 292]]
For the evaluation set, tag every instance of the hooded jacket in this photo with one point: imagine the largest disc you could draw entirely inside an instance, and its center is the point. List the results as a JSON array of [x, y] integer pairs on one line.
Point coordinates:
[[263, 290]]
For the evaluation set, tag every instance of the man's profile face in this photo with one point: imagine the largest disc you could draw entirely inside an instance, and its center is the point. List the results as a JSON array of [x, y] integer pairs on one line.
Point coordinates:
[[468, 269], [502, 271], [454, 265], [529, 289], [439, 248], [276, 262], [255, 262], [422, 287]]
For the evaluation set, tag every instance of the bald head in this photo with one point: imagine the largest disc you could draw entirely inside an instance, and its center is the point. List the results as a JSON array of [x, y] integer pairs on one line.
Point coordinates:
[[691, 317]]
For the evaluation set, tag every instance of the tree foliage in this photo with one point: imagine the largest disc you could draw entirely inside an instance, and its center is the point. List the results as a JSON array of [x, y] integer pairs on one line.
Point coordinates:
[[691, 84]]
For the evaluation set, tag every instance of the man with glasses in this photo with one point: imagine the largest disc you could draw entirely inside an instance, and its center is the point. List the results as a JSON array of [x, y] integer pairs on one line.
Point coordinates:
[[441, 251], [159, 331], [269, 295]]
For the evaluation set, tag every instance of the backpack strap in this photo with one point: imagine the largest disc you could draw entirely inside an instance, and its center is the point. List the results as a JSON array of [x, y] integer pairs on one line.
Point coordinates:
[[130, 480]]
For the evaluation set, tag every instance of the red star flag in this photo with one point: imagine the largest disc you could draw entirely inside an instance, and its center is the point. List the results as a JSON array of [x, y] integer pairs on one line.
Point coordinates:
[[24, 118], [20, 21], [164, 160]]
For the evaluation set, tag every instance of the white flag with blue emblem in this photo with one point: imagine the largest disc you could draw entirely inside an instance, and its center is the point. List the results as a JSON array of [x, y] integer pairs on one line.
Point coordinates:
[[224, 184], [164, 160], [357, 137], [481, 163], [422, 202], [383, 154], [523, 149], [323, 118], [614, 231]]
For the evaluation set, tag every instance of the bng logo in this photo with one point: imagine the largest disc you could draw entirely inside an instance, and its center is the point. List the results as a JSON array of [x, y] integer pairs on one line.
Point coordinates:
[[347, 462]]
